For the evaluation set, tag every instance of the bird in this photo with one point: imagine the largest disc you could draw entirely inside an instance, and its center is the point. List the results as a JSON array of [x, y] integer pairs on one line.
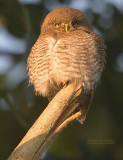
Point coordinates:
[[67, 50]]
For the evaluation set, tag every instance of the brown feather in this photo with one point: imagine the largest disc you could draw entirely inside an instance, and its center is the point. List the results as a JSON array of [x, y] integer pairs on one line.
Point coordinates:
[[59, 57]]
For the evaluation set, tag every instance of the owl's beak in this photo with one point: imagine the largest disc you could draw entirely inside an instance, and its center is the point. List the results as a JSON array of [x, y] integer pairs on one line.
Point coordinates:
[[66, 27]]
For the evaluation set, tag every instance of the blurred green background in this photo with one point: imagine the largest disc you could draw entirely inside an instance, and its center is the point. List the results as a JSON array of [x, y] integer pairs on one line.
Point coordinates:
[[101, 136]]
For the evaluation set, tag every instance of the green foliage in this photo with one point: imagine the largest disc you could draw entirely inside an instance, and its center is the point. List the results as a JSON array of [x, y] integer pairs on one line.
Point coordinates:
[[14, 17], [19, 107]]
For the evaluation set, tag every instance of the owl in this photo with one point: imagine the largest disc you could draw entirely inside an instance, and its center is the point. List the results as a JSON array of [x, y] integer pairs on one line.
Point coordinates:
[[67, 50]]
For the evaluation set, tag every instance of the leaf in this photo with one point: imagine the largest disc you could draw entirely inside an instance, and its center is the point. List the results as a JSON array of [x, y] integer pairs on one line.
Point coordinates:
[[13, 16]]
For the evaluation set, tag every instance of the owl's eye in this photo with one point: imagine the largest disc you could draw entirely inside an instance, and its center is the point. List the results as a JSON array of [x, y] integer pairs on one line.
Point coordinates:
[[57, 24], [74, 24]]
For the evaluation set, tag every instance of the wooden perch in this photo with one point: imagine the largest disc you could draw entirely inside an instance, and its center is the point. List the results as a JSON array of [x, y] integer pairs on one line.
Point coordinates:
[[57, 115]]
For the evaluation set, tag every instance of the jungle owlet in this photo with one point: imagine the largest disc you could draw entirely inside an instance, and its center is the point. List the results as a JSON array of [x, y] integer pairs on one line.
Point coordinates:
[[67, 50]]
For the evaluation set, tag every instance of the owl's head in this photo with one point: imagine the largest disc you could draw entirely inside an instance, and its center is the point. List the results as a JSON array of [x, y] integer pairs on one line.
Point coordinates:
[[65, 19]]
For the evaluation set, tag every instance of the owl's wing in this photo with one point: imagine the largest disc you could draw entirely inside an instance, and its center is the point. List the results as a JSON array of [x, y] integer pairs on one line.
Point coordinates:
[[86, 96], [38, 65]]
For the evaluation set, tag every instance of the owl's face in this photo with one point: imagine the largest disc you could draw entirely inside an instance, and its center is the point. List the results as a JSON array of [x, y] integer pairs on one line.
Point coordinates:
[[66, 26], [65, 21]]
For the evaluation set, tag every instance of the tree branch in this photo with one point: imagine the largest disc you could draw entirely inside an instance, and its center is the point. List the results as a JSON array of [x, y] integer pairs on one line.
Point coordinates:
[[57, 115]]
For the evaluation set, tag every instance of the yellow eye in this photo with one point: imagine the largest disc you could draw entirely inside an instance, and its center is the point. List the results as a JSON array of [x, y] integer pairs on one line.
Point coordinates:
[[74, 24], [57, 24]]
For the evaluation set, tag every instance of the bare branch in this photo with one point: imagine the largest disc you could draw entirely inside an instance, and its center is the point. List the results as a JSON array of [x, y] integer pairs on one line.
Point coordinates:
[[57, 115]]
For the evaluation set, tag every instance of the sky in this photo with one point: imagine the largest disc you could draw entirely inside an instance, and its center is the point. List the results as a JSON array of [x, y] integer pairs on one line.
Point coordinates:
[[10, 44]]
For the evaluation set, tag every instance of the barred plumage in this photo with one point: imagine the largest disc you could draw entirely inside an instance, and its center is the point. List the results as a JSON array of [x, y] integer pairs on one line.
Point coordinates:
[[59, 57]]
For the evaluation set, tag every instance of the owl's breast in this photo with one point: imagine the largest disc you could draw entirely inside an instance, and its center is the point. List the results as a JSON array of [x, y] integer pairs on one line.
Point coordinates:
[[75, 58]]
